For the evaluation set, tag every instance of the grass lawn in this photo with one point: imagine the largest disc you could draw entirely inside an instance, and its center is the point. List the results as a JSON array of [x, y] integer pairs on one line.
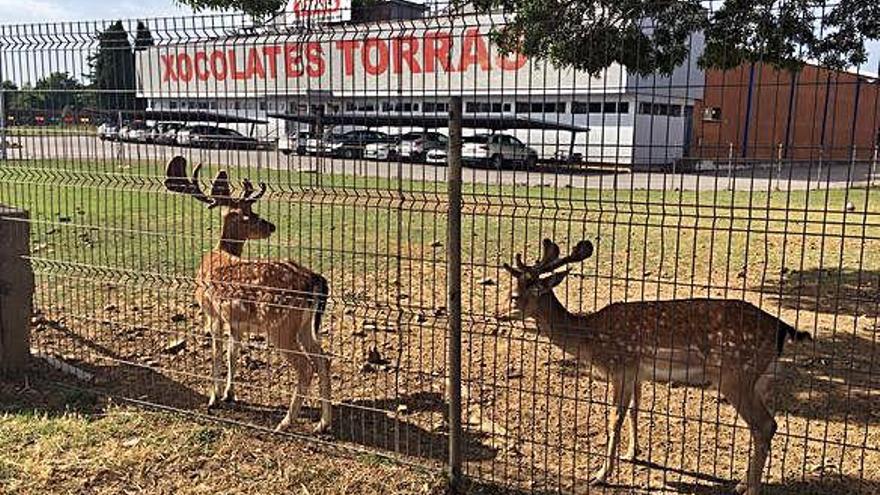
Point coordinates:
[[115, 253]]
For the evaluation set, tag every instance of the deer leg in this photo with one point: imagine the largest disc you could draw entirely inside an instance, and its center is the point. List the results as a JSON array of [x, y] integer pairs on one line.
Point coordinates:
[[304, 374], [621, 394], [321, 363], [762, 426], [216, 372], [764, 384], [632, 452], [233, 347]]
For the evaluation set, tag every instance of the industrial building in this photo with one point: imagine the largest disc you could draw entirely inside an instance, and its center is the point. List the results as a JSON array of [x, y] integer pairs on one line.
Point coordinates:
[[408, 65]]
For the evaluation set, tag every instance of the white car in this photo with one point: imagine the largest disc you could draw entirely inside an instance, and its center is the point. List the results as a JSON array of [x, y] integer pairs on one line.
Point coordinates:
[[416, 145], [108, 131], [436, 156], [380, 151], [497, 150], [294, 143]]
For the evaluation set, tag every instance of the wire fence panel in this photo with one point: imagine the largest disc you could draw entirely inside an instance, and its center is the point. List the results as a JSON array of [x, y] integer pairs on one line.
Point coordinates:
[[327, 241]]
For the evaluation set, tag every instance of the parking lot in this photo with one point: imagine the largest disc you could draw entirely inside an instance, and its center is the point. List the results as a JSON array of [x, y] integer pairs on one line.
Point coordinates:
[[39, 146]]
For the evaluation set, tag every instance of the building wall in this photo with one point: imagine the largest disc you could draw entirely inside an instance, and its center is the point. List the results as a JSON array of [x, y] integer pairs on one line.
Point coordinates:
[[817, 113]]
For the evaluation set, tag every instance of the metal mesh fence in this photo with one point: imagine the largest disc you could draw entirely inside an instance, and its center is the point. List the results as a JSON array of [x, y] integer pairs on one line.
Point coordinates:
[[753, 184]]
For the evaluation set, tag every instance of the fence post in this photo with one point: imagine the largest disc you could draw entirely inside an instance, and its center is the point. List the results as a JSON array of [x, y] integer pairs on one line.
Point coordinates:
[[16, 290], [874, 165], [2, 124], [729, 165], [453, 274]]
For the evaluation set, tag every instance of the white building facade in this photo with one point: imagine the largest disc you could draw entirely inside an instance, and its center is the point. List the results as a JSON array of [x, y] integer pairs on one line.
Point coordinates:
[[411, 68]]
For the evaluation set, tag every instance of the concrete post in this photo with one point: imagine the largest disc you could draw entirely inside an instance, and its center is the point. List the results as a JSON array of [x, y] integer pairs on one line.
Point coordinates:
[[16, 290]]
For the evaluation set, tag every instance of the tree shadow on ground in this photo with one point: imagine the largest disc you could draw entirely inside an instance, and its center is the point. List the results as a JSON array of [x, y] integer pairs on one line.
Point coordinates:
[[832, 291], [835, 378], [821, 486]]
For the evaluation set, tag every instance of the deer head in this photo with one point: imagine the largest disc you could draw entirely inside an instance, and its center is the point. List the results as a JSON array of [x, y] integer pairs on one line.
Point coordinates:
[[534, 283], [240, 222]]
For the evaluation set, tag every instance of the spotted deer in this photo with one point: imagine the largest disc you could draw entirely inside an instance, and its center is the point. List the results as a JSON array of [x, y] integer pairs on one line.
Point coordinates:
[[729, 344], [281, 299]]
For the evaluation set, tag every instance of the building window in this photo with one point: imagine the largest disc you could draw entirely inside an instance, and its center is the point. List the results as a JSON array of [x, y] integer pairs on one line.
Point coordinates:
[[540, 107], [660, 109], [582, 107], [712, 114], [435, 107], [172, 104]]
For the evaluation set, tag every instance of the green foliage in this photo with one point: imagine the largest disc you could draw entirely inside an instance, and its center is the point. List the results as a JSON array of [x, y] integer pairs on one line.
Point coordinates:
[[113, 70], [143, 38], [57, 91], [648, 36], [256, 8]]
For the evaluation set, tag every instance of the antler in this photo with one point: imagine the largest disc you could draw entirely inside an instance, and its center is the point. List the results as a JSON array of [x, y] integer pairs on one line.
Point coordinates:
[[550, 259], [248, 195], [177, 181], [221, 194]]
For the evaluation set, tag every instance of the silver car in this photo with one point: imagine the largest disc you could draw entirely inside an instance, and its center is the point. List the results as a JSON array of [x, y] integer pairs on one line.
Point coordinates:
[[497, 150]]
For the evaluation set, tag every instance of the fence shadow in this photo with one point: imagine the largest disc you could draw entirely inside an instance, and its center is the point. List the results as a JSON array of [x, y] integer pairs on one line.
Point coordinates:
[[832, 291], [368, 423]]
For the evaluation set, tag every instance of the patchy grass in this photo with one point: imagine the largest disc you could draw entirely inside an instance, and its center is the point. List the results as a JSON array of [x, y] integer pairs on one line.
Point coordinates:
[[49, 447]]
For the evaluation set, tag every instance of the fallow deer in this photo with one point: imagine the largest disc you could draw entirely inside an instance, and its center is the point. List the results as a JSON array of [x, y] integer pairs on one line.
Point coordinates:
[[281, 298], [730, 344]]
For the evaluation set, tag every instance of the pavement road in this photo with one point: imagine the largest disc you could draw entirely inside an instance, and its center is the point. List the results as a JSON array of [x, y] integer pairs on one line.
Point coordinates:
[[755, 178]]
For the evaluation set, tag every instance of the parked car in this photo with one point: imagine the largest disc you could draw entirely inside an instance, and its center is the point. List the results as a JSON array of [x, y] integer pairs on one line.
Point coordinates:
[[416, 145], [497, 150], [436, 156], [381, 151], [563, 156], [134, 131], [164, 133], [204, 136], [108, 131], [347, 145], [295, 143]]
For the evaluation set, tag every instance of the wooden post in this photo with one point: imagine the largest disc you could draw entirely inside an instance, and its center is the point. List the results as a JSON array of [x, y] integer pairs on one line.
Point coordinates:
[[453, 274], [16, 290]]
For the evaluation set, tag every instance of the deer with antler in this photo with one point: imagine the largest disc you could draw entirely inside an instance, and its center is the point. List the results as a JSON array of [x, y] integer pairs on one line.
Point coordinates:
[[281, 298], [730, 344]]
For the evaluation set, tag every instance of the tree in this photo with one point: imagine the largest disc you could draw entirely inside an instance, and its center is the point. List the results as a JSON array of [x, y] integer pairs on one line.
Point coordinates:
[[257, 9], [57, 91], [647, 36], [113, 70], [143, 37]]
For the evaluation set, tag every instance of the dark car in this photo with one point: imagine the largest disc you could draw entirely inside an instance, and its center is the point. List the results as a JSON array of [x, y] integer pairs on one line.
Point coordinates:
[[203, 136], [351, 144]]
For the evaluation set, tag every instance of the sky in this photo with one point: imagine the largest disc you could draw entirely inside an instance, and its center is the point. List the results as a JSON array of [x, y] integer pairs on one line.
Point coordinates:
[[25, 11]]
